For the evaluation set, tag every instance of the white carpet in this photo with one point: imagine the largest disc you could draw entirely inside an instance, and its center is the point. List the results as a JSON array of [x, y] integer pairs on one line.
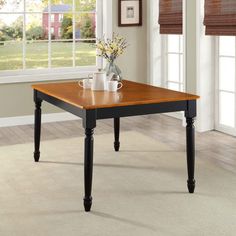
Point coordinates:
[[138, 191]]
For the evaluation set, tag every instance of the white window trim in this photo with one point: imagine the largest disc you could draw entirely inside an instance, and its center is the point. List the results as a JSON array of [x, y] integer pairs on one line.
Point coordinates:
[[155, 49], [199, 65], [104, 16], [157, 57]]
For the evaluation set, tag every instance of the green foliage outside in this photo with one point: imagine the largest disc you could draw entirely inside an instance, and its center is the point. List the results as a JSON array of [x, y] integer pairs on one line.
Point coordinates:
[[13, 32], [87, 28], [66, 27], [17, 28], [85, 25], [34, 33]]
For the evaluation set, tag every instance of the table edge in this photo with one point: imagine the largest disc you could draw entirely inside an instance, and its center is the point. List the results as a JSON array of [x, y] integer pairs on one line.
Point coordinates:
[[190, 98]]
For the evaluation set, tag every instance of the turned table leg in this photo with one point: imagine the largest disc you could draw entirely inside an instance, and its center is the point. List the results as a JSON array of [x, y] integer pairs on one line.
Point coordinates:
[[190, 154], [89, 124], [37, 127], [190, 142], [117, 134], [88, 168]]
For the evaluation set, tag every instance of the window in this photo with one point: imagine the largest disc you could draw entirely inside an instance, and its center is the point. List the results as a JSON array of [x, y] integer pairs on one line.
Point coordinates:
[[52, 18], [226, 77], [52, 30], [174, 62], [28, 41], [60, 17], [166, 47]]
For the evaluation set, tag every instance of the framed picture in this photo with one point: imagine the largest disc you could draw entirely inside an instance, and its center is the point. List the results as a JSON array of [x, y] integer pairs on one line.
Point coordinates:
[[130, 13]]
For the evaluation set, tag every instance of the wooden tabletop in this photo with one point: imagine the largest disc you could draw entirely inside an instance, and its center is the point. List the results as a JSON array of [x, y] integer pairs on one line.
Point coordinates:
[[132, 93]]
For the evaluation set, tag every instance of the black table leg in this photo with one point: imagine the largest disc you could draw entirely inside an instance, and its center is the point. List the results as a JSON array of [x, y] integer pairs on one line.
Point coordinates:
[[190, 138], [117, 134], [37, 127], [89, 124], [190, 154], [88, 168]]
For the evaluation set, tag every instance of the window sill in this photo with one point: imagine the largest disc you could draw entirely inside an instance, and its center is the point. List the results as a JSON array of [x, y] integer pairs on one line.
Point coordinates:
[[45, 75]]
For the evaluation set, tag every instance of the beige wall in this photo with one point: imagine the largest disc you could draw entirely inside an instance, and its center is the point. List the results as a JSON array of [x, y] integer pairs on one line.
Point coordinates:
[[16, 99], [134, 62]]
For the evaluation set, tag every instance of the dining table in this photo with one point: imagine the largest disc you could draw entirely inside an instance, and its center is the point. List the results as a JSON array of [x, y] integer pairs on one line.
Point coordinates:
[[133, 99]]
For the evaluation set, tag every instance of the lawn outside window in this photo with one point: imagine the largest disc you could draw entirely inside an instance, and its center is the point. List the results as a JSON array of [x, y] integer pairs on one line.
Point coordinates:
[[49, 39]]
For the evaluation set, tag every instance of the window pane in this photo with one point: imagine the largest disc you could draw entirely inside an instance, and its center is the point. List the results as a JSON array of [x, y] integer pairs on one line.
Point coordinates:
[[38, 48], [227, 74], [11, 47], [173, 43], [62, 54], [36, 5], [227, 109], [11, 27], [173, 86], [12, 6], [85, 26], [173, 67], [85, 5], [35, 29], [36, 54], [85, 54], [63, 27], [11, 56], [227, 45]]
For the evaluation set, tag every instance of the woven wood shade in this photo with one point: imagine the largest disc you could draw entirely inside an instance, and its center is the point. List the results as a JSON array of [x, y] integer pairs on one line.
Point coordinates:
[[171, 16], [220, 17]]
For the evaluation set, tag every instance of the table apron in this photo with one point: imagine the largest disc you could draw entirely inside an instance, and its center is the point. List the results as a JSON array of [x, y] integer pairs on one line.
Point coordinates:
[[61, 104], [136, 110], [123, 111]]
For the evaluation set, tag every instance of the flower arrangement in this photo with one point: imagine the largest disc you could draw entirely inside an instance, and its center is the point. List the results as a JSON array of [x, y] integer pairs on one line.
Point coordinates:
[[110, 49]]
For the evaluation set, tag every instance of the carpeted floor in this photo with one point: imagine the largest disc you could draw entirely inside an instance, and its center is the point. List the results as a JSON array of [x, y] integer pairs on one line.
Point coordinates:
[[138, 191]]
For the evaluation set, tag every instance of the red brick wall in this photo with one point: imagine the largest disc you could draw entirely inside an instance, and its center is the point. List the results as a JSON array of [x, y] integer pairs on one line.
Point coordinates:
[[56, 25]]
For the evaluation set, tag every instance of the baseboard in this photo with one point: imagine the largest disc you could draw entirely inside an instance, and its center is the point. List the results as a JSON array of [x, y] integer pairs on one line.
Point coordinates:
[[28, 120]]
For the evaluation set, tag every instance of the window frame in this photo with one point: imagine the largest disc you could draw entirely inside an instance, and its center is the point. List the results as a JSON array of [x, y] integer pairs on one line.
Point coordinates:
[[218, 126], [166, 53], [104, 27]]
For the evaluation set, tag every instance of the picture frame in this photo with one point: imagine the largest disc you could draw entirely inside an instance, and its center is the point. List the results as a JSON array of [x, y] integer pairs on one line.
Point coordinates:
[[129, 13]]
